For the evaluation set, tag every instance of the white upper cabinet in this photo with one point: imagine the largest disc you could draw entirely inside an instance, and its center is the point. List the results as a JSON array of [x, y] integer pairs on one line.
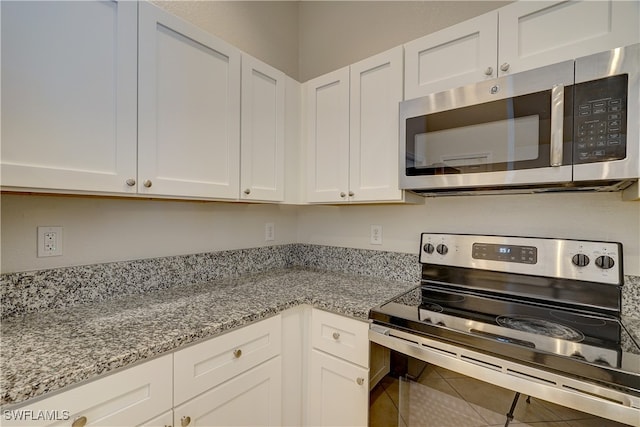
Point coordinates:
[[263, 131], [188, 109], [534, 34], [69, 95], [517, 37], [327, 113], [376, 91], [352, 131], [455, 56]]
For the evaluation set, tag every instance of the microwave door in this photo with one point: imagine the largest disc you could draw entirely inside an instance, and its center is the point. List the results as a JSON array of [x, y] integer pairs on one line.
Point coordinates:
[[607, 112], [510, 131]]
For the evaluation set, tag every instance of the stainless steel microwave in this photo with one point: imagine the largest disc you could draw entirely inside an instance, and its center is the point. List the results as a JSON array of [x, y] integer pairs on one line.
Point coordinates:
[[571, 125]]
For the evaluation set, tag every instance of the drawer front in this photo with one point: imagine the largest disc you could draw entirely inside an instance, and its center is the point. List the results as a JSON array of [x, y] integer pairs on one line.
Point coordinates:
[[341, 336], [127, 398], [203, 366]]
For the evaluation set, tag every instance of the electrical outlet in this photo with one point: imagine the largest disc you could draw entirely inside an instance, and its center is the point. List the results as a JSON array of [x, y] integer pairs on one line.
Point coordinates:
[[376, 234], [49, 241], [269, 232]]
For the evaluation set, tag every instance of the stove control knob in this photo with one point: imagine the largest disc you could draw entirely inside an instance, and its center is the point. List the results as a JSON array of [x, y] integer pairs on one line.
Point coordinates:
[[428, 248], [442, 249], [605, 262], [581, 260]]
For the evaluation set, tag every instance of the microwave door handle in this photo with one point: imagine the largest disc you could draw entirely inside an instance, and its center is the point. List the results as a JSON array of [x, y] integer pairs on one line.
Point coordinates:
[[557, 124]]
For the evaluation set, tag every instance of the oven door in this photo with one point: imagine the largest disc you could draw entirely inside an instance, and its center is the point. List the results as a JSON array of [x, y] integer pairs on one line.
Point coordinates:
[[515, 130]]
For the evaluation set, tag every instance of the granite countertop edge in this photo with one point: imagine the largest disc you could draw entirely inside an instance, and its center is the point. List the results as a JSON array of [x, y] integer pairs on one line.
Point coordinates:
[[50, 351]]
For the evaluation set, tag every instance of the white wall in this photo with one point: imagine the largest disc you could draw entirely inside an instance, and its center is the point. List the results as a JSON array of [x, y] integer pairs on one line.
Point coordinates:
[[98, 230], [588, 216]]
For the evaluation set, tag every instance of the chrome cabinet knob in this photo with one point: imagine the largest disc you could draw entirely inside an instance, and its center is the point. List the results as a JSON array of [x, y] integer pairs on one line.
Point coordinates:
[[237, 353], [343, 194], [131, 182], [247, 191], [185, 421], [147, 183], [351, 193], [360, 380], [489, 71], [505, 66], [79, 422], [336, 336]]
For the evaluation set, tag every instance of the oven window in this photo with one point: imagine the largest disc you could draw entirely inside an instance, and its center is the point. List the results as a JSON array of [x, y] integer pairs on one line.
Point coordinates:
[[502, 135]]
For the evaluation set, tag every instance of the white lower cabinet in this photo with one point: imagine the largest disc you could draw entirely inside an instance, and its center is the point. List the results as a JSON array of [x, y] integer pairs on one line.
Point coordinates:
[[126, 398], [338, 371], [338, 392], [250, 399]]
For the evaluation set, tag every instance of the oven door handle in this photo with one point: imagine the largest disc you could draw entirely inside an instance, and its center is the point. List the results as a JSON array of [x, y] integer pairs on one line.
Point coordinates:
[[557, 125]]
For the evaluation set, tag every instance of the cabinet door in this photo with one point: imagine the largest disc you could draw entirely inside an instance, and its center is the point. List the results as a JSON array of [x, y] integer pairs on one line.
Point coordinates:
[[127, 398], [250, 399], [462, 54], [338, 392], [262, 135], [327, 121], [534, 34], [69, 95], [376, 91], [189, 109]]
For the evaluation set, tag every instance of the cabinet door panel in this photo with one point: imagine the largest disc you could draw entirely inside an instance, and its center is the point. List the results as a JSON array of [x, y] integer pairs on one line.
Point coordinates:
[[327, 113], [338, 392], [262, 136], [376, 90], [189, 109], [252, 398], [456, 56], [534, 34], [69, 95]]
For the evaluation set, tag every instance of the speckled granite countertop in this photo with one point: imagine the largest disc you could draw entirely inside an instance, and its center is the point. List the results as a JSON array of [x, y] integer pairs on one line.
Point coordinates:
[[46, 351]]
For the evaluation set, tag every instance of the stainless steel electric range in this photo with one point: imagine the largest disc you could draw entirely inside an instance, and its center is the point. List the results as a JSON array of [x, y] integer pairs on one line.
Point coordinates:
[[534, 315]]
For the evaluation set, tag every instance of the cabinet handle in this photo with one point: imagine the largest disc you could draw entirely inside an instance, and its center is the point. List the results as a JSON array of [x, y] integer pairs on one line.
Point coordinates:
[[247, 191], [185, 421], [351, 193], [147, 183], [489, 71], [343, 194], [237, 353], [79, 422], [131, 182], [360, 380], [336, 336], [505, 66]]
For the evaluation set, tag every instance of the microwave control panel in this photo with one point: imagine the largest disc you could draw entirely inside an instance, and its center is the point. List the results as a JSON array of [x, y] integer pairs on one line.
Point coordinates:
[[600, 120]]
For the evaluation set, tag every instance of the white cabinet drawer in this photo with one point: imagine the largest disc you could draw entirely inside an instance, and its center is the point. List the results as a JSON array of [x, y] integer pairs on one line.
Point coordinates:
[[205, 365], [126, 398], [341, 336]]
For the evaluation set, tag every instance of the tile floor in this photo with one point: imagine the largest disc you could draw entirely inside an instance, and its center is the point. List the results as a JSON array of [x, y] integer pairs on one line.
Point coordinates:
[[442, 398]]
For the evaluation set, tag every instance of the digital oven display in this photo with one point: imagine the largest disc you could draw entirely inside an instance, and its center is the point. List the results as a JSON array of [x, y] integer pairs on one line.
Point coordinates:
[[505, 253]]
